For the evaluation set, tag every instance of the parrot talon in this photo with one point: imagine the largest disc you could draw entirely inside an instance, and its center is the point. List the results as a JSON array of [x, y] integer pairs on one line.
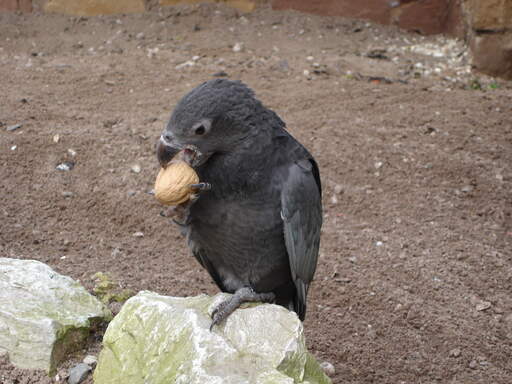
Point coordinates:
[[200, 187], [243, 295]]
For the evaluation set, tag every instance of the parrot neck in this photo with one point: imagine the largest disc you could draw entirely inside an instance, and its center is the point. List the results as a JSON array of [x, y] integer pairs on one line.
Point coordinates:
[[241, 171]]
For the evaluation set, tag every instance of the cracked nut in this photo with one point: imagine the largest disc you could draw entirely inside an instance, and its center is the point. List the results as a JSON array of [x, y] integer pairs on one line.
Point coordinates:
[[172, 186]]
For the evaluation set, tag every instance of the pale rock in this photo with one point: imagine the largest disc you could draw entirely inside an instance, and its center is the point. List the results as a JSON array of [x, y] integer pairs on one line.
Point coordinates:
[[43, 315], [482, 306], [78, 373], [238, 47], [90, 360], [328, 368], [161, 339]]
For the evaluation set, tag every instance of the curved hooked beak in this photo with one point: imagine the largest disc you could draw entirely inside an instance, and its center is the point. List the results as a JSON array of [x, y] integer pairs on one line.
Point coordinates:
[[166, 150]]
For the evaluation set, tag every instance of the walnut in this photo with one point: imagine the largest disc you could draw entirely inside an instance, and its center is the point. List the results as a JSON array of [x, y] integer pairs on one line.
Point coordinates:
[[172, 186]]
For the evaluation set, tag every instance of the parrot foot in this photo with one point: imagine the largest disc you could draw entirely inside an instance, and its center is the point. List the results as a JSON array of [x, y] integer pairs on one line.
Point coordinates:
[[197, 190], [242, 295], [180, 213], [200, 187]]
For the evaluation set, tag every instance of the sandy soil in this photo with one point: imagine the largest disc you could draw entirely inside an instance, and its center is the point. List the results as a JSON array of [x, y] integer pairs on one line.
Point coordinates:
[[415, 272]]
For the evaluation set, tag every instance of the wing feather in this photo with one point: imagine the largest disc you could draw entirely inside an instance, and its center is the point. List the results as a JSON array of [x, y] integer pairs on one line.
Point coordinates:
[[301, 211]]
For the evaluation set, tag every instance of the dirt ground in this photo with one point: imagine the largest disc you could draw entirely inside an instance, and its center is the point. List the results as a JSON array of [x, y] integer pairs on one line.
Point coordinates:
[[414, 278]]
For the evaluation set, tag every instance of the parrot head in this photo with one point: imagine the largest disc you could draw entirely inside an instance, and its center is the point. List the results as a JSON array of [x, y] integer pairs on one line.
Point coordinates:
[[214, 117]]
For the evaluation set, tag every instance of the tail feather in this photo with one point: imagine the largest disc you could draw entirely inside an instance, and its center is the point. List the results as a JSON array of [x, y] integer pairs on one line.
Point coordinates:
[[299, 301]]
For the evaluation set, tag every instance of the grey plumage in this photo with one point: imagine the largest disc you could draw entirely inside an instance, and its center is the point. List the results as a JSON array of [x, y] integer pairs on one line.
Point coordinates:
[[259, 225]]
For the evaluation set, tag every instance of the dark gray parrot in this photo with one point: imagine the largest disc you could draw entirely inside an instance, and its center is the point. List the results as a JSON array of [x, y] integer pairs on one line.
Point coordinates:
[[254, 223]]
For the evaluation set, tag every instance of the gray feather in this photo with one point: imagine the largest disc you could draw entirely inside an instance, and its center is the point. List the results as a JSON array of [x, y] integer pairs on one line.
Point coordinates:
[[302, 217]]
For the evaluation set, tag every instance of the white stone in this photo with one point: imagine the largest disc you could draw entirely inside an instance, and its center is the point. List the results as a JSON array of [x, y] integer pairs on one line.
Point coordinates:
[[43, 315], [161, 339], [238, 47]]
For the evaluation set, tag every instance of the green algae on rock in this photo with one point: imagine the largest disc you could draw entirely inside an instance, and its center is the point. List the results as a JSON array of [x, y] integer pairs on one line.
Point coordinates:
[[43, 315], [108, 291], [159, 339]]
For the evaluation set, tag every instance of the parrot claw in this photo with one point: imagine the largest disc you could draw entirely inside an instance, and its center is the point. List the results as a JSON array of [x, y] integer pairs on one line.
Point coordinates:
[[243, 295], [200, 187]]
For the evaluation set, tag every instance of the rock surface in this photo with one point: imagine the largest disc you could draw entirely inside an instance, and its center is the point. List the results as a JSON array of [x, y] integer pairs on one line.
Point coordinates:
[[161, 339], [78, 373], [43, 315]]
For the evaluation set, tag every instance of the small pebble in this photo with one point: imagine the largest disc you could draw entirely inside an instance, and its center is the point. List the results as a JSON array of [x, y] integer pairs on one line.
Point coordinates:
[[136, 168], [483, 306], [455, 352], [467, 189], [78, 373], [67, 194], [62, 375], [379, 243], [72, 152], [56, 138], [473, 364], [328, 368], [90, 360], [238, 47], [132, 193], [188, 63], [66, 166], [138, 234], [283, 65], [13, 127], [13, 148], [220, 74]]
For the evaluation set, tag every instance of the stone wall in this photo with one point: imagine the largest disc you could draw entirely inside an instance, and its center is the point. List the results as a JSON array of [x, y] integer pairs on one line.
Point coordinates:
[[106, 7], [427, 17], [490, 35], [485, 24]]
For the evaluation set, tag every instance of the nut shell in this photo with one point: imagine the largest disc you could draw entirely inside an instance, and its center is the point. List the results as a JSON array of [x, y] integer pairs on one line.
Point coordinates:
[[172, 186]]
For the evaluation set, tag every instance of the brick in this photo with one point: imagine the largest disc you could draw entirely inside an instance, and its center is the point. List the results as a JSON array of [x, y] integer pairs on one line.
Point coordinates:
[[15, 5], [242, 5], [489, 15], [427, 17], [430, 17], [94, 7], [377, 10], [492, 53]]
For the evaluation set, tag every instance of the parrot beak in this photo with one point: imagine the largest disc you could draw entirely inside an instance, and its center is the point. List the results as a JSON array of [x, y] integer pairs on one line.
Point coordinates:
[[166, 150]]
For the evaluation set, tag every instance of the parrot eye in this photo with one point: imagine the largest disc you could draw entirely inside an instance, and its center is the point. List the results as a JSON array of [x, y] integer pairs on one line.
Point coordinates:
[[200, 130]]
